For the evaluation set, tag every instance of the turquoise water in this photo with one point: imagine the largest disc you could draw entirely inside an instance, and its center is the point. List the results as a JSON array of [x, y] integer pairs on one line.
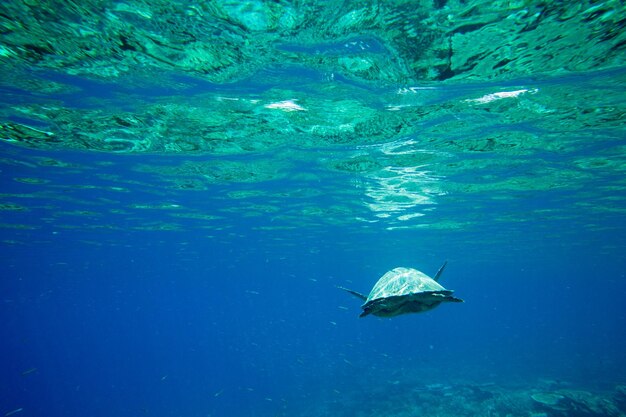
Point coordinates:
[[186, 185]]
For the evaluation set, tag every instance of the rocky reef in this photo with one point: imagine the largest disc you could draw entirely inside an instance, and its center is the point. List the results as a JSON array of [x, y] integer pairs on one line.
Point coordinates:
[[545, 398]]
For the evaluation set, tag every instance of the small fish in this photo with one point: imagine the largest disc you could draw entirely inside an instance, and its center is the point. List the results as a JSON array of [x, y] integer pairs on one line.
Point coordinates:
[[342, 308], [217, 394], [29, 371], [10, 413], [333, 323]]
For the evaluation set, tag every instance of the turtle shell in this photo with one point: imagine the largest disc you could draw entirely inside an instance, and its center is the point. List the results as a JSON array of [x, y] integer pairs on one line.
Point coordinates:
[[402, 291], [402, 281]]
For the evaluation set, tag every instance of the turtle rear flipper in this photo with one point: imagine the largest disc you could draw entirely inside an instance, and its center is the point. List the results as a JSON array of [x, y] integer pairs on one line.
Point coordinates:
[[444, 295], [356, 294], [365, 313]]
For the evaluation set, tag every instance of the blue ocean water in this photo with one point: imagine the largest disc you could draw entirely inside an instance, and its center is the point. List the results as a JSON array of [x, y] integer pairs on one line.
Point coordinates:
[[149, 269], [112, 322]]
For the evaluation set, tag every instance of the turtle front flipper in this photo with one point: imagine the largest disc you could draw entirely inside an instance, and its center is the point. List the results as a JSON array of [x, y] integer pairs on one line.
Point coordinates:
[[438, 274], [356, 294]]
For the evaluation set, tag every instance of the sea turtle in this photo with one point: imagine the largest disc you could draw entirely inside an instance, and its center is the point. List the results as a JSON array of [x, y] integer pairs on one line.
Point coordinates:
[[404, 290]]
